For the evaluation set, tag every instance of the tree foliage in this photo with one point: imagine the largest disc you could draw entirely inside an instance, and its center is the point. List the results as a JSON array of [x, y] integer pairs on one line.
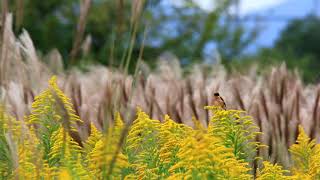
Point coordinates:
[[118, 29]]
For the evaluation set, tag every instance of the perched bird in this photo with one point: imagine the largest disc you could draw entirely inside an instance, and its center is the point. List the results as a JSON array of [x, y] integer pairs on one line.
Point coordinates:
[[218, 101]]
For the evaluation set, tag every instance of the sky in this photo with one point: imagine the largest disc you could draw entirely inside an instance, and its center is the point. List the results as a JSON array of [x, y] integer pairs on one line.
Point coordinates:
[[270, 9], [288, 9], [246, 6]]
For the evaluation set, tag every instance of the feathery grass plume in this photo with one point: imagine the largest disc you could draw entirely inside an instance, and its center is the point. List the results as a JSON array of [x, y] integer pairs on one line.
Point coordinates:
[[236, 130], [272, 172], [306, 157]]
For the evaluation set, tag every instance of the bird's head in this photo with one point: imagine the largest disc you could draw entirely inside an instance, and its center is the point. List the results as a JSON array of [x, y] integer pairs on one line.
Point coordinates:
[[216, 94]]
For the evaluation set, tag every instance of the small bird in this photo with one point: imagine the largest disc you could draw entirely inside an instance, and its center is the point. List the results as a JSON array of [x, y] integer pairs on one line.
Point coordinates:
[[218, 101]]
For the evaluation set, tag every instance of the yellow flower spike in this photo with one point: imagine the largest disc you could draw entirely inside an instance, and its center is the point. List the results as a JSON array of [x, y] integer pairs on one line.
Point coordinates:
[[236, 131], [166, 118], [118, 124], [94, 137], [272, 172], [197, 124], [203, 153], [306, 157], [64, 174]]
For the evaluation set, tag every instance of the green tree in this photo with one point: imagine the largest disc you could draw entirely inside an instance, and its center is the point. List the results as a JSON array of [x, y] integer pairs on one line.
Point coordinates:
[[187, 30], [297, 46], [117, 29], [51, 23], [300, 39]]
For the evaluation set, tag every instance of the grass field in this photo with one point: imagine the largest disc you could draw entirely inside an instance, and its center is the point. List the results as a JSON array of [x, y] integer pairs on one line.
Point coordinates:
[[47, 145]]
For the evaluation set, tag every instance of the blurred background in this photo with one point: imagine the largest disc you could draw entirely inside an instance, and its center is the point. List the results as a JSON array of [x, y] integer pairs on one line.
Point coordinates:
[[116, 33]]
